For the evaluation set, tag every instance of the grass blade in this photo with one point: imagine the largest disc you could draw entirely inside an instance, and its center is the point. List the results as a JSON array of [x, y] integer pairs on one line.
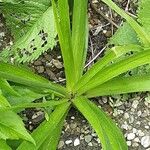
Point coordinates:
[[46, 129], [26, 77], [121, 85], [110, 136], [62, 21], [79, 35]]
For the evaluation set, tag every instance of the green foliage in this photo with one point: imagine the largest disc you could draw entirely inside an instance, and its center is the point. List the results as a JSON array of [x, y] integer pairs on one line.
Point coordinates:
[[19, 87], [32, 26]]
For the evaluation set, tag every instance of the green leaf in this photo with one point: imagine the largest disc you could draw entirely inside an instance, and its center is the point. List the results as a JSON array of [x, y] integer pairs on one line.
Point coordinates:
[[4, 86], [32, 25], [143, 36], [61, 13], [26, 95], [50, 103], [116, 69], [46, 129], [109, 134], [121, 85], [3, 145], [79, 35], [26, 77], [3, 101], [112, 54], [143, 15], [127, 34], [12, 127]]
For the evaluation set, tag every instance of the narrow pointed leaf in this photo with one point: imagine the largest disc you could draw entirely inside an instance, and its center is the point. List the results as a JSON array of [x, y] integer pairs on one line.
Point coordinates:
[[112, 54], [110, 136], [121, 85], [116, 69], [143, 36], [79, 35], [26, 77], [3, 101], [62, 21], [4, 86], [45, 130], [12, 127]]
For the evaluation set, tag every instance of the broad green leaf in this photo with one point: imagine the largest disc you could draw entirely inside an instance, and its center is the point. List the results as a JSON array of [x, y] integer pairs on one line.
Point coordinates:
[[32, 25], [143, 36], [46, 129], [143, 15], [12, 127], [4, 86], [112, 54], [116, 69], [121, 85], [79, 35], [3, 145], [127, 34], [61, 13], [109, 134], [26, 95], [26, 77], [3, 101]]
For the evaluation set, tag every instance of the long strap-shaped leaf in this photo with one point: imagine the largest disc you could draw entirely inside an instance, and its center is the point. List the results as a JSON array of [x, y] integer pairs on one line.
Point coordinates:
[[79, 35], [61, 13], [4, 85], [111, 55], [110, 136], [45, 130], [138, 29], [121, 85], [26, 77], [116, 69]]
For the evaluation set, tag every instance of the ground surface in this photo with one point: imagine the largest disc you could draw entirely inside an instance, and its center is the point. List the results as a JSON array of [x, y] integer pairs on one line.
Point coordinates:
[[131, 112]]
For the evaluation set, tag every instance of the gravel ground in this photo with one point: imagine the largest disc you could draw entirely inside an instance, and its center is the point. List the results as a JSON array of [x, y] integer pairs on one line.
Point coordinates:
[[131, 112]]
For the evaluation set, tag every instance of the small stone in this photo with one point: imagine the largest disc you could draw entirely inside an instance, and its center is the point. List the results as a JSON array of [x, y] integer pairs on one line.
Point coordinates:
[[76, 142], [72, 117], [135, 144], [37, 63], [134, 130], [140, 133], [146, 127], [126, 115], [90, 144], [88, 138], [40, 69], [68, 142], [73, 125], [131, 119], [137, 139], [135, 104], [145, 141], [57, 63], [130, 136], [129, 143], [61, 144]]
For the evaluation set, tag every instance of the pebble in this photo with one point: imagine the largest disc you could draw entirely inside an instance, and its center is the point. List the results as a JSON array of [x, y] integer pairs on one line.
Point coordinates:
[[135, 104], [130, 136], [76, 142], [68, 142], [145, 141], [88, 138], [126, 115], [40, 69], [61, 144], [90, 144], [57, 63], [129, 143]]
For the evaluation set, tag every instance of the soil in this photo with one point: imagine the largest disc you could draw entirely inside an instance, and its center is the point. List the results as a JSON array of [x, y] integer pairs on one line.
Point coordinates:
[[131, 112]]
